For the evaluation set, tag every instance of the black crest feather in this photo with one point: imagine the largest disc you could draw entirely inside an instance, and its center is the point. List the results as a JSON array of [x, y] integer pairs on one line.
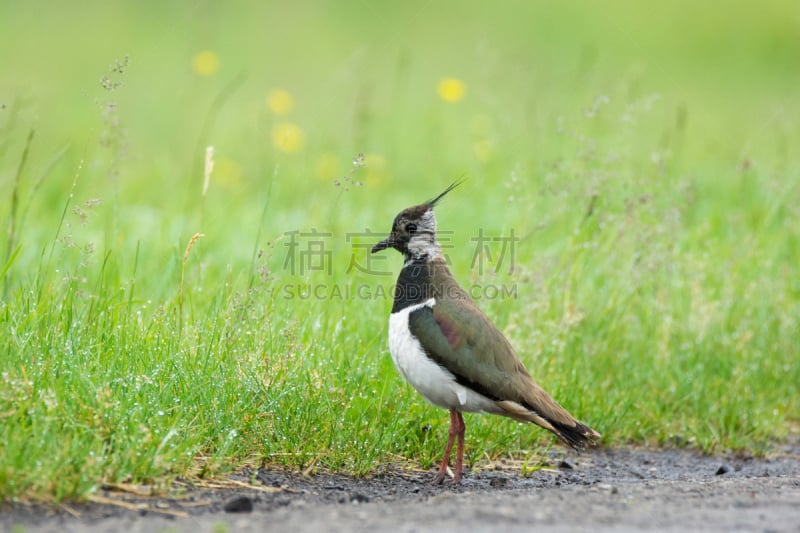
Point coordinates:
[[431, 203]]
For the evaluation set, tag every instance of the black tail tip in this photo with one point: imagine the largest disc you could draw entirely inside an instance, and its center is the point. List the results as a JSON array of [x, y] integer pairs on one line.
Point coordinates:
[[578, 437]]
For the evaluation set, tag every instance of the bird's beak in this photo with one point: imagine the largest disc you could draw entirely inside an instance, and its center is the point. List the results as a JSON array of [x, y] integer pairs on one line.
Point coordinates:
[[384, 244]]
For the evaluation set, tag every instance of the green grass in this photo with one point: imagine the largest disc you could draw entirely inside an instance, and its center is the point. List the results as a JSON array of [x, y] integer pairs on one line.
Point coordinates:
[[645, 158]]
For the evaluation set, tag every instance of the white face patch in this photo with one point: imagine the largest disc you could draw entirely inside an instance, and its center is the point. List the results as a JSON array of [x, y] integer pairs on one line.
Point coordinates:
[[423, 241]]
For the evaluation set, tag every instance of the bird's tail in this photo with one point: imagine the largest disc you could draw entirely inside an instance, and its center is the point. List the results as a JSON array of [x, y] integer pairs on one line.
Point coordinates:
[[551, 416], [578, 435]]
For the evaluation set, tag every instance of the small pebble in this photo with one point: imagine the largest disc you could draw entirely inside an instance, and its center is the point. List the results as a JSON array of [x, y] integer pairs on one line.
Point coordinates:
[[498, 482], [239, 504], [611, 488], [722, 470], [358, 498], [566, 465]]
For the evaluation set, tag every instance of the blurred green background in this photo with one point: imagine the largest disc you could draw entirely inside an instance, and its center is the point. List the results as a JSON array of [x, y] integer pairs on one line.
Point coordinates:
[[693, 83], [646, 154]]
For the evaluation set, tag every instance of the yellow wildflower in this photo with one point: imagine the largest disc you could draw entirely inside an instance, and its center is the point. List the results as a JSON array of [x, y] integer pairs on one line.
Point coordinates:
[[205, 63], [451, 89], [228, 173], [328, 167], [287, 137], [280, 102], [376, 170], [483, 149]]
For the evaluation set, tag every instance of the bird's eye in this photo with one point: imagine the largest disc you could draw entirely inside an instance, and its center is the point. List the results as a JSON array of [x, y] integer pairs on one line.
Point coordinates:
[[411, 227]]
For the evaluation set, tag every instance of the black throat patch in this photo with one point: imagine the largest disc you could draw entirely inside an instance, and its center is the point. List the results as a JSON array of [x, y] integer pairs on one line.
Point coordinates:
[[413, 284]]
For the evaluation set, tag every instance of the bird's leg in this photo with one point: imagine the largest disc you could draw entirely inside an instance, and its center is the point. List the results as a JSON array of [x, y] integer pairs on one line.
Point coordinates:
[[454, 424], [461, 429]]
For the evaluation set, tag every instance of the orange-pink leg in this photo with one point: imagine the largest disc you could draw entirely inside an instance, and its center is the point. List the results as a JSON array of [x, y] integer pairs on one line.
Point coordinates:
[[457, 429]]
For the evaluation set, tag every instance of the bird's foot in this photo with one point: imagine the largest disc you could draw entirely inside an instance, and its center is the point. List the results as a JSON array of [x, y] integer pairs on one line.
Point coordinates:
[[444, 475]]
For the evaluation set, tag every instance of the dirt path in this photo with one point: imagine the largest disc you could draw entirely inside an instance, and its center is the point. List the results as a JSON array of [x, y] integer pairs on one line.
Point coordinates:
[[610, 490]]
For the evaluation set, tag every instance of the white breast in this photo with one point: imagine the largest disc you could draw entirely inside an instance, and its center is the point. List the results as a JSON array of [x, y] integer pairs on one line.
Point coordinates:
[[432, 381]]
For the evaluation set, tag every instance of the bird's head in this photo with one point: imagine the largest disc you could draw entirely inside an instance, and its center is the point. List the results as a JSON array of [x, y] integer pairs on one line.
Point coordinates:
[[414, 230]]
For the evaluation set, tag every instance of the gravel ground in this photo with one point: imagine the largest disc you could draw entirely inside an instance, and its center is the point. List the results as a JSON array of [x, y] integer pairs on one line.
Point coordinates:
[[606, 490]]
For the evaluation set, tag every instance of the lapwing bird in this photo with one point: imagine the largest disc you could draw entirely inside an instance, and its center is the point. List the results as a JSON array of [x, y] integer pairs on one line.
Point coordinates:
[[451, 353]]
